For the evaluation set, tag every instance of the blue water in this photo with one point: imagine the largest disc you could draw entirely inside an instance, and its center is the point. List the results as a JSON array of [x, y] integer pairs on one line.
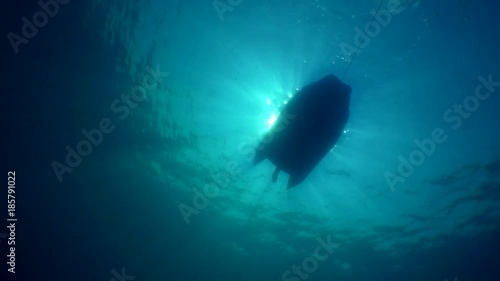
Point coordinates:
[[131, 126]]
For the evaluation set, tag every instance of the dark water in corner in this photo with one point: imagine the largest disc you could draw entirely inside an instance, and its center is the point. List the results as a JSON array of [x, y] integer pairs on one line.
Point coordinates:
[[166, 100]]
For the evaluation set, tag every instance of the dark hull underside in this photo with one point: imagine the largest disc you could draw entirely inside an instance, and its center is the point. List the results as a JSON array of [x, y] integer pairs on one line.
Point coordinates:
[[307, 129]]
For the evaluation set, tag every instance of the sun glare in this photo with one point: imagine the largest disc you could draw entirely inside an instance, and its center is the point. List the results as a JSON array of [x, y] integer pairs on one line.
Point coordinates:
[[271, 120]]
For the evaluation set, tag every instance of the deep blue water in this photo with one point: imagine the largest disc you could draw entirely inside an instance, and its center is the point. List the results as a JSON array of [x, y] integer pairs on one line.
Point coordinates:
[[131, 126]]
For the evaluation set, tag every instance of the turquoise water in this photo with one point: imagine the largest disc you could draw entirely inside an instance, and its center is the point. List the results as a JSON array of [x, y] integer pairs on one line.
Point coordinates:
[[134, 125]]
